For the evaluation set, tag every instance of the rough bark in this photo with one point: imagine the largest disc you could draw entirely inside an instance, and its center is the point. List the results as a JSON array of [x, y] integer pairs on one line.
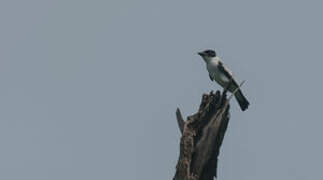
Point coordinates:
[[202, 136]]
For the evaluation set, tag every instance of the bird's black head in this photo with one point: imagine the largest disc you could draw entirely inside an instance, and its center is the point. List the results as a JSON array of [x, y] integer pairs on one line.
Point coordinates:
[[207, 53]]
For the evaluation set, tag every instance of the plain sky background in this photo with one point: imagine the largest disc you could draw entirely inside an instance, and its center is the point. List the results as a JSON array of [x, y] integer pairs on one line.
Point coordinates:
[[89, 88]]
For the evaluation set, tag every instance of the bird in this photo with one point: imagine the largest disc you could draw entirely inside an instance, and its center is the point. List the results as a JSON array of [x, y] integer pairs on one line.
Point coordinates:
[[223, 76]]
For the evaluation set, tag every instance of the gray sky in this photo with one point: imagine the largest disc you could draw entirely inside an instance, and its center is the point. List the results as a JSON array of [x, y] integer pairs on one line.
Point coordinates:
[[89, 88]]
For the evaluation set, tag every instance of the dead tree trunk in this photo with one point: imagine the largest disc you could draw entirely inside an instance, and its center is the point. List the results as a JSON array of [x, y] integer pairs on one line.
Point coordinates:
[[202, 136]]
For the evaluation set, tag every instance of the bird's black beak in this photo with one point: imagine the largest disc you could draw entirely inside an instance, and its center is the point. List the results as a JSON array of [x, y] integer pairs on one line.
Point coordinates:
[[200, 53]]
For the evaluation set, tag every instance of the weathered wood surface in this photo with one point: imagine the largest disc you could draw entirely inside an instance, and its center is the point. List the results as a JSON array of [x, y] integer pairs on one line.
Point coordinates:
[[202, 136]]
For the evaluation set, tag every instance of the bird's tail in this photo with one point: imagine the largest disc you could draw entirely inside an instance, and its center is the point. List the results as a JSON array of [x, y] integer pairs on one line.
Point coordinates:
[[242, 100]]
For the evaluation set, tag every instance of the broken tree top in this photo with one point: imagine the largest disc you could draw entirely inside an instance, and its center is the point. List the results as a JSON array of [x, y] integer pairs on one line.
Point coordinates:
[[202, 136]]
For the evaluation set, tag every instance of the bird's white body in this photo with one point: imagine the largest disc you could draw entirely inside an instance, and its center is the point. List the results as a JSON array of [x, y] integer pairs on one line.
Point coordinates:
[[215, 73]]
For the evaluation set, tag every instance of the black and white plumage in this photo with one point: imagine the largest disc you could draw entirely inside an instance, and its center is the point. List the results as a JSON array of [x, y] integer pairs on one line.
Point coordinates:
[[222, 75]]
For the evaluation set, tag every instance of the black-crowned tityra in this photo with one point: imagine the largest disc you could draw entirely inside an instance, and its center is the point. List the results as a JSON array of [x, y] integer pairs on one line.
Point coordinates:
[[222, 75]]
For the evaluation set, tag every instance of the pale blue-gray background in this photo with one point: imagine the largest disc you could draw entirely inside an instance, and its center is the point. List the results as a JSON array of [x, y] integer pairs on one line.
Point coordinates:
[[89, 88]]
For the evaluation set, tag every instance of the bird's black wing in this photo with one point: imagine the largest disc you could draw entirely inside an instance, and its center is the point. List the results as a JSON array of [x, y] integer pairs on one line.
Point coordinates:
[[242, 100], [227, 73]]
